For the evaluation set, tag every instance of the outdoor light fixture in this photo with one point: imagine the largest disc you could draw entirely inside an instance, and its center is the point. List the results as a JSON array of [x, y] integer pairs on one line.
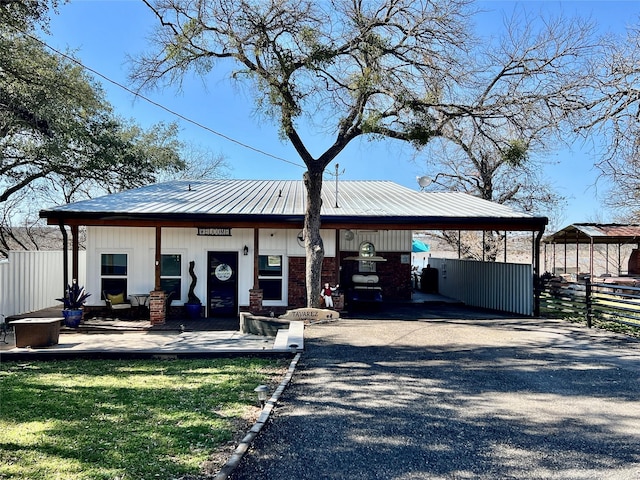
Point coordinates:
[[425, 181], [245, 250], [263, 393]]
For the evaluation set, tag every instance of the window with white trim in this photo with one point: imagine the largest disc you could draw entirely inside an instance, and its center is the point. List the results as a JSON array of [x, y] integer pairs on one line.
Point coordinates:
[[171, 274], [114, 273], [270, 277]]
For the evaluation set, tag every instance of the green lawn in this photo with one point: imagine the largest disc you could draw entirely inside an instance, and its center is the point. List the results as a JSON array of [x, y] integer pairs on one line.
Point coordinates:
[[84, 419]]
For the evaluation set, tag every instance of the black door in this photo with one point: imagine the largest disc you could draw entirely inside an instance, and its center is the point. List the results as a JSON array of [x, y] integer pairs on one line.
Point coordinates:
[[222, 284]]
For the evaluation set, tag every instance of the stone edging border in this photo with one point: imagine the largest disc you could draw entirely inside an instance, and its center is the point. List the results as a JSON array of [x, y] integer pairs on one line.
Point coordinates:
[[244, 444]]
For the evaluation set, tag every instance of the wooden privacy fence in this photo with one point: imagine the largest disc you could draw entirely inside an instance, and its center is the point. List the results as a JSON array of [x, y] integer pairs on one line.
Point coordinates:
[[602, 301], [32, 280]]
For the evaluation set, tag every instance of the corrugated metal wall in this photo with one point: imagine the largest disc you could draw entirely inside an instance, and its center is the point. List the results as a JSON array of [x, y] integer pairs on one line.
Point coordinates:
[[32, 280], [507, 287], [383, 240]]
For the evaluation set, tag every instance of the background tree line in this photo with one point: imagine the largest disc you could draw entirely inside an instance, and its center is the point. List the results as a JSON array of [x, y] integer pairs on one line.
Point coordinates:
[[61, 141]]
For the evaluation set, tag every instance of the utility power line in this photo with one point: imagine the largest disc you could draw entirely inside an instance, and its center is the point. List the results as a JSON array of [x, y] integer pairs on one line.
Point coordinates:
[[172, 112]]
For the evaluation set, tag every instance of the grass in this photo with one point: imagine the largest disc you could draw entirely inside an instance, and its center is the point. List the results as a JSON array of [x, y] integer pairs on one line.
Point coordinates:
[[84, 419], [601, 323]]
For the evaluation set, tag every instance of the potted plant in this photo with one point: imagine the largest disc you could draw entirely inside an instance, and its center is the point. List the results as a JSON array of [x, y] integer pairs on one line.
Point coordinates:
[[193, 305], [73, 300]]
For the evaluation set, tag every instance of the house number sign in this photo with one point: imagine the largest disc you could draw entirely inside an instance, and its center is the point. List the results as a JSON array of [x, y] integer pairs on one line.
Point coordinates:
[[214, 231]]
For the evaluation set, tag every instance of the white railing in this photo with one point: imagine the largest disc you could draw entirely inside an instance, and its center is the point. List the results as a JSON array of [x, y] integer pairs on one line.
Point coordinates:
[[32, 280], [507, 287]]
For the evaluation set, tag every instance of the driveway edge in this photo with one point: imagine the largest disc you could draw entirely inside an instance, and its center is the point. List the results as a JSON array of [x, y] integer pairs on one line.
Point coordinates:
[[245, 443]]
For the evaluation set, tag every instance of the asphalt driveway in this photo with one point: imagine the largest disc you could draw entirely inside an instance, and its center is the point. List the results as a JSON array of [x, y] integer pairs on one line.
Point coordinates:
[[470, 396]]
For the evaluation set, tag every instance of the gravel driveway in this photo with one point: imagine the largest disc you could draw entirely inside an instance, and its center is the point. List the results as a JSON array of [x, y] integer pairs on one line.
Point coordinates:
[[471, 397]]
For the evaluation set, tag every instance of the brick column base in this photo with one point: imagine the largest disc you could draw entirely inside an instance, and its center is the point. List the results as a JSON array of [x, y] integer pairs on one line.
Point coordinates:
[[255, 300], [157, 313]]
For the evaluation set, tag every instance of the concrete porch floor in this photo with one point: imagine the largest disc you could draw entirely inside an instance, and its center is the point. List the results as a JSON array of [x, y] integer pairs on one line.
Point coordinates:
[[177, 337], [137, 338]]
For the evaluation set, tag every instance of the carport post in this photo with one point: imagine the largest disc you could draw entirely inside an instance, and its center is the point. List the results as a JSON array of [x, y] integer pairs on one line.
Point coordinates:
[[589, 303], [75, 248], [536, 274]]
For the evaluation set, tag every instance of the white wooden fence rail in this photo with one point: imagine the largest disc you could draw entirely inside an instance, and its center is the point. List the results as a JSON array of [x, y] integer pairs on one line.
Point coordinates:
[[507, 287], [32, 280]]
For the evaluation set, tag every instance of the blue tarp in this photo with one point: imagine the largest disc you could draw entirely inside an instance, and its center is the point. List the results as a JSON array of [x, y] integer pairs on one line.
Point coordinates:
[[417, 246]]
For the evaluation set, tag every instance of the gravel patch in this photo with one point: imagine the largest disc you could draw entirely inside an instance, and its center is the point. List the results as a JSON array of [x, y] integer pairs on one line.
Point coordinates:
[[472, 397]]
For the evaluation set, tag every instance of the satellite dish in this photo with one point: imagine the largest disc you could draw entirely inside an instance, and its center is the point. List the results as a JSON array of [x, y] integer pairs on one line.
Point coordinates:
[[348, 235], [424, 181]]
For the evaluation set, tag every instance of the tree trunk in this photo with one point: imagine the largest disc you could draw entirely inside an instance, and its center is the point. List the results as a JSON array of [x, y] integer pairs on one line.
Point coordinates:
[[312, 241]]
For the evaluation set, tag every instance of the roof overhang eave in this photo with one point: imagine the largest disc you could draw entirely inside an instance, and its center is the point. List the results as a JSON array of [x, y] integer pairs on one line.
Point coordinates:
[[54, 217], [442, 223], [171, 219], [586, 240]]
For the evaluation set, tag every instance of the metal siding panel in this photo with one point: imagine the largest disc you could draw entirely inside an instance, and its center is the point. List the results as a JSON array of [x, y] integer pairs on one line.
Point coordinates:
[[383, 240], [4, 291], [32, 280], [139, 243], [501, 286]]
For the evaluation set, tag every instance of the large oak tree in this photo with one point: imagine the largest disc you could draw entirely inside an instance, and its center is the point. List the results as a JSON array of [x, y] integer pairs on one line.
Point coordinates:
[[401, 69], [60, 140]]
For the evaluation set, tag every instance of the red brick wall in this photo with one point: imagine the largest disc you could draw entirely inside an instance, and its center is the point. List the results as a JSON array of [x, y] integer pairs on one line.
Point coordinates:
[[395, 276], [157, 313], [297, 285]]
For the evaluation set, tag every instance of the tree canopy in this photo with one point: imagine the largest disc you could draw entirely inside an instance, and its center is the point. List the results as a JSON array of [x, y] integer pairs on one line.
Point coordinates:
[[400, 69], [613, 114], [60, 140], [24, 15], [57, 124]]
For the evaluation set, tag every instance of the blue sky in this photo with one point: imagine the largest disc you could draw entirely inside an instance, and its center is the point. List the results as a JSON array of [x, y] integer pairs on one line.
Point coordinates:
[[104, 33]]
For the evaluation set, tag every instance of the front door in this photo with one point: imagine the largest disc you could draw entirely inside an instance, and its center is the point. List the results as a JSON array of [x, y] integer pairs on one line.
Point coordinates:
[[222, 284]]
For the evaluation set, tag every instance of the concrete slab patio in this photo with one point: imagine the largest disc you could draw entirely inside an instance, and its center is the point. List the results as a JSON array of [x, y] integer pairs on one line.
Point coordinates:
[[179, 337], [127, 343]]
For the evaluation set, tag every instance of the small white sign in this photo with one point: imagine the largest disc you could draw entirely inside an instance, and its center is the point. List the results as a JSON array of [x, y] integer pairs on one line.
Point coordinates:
[[223, 272], [214, 231]]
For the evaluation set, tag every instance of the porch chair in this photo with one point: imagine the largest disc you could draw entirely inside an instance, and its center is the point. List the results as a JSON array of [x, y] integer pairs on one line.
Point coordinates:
[[117, 304]]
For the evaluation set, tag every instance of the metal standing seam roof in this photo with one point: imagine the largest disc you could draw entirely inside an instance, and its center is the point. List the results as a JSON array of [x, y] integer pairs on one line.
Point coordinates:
[[611, 233], [286, 198]]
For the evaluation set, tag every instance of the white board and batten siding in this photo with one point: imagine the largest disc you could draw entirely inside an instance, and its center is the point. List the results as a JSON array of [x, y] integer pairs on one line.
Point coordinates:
[[507, 287], [139, 245]]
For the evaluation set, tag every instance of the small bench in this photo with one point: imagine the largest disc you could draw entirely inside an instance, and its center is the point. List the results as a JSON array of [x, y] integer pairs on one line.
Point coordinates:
[[37, 332]]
